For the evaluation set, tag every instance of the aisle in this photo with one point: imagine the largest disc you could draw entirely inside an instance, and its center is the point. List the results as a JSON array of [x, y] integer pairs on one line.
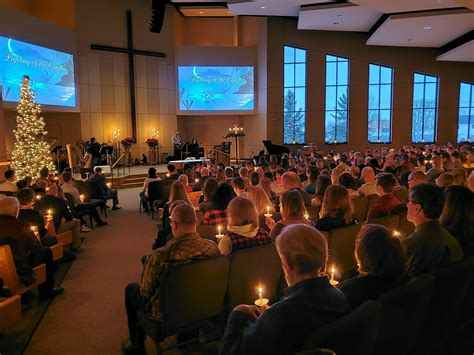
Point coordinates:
[[89, 318]]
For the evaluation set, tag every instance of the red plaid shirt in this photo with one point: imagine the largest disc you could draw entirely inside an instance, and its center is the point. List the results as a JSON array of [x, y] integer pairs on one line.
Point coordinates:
[[239, 242], [214, 217]]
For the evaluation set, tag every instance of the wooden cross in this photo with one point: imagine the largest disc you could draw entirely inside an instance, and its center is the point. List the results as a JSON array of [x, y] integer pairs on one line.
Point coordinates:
[[131, 52]]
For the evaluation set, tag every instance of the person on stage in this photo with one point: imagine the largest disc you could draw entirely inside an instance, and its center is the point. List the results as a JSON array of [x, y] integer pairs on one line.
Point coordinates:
[[177, 143], [94, 147]]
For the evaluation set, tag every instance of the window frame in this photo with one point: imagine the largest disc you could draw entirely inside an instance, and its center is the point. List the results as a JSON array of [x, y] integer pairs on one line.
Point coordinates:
[[435, 128], [336, 142], [379, 109], [294, 87], [470, 108]]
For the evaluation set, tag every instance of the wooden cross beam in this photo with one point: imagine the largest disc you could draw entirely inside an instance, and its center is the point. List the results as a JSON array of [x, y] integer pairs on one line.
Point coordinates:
[[130, 51]]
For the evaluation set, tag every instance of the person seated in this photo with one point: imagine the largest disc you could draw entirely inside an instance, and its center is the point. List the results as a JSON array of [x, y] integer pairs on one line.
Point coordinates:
[[381, 265], [436, 170], [243, 229], [322, 183], [457, 216], [292, 212], [208, 191], [310, 301], [172, 173], [78, 204], [26, 197], [9, 185], [238, 184], [386, 204], [416, 177], [184, 180], [26, 246], [229, 174], [368, 179], [313, 174], [144, 160], [430, 246], [266, 185], [291, 181], [44, 178], [220, 201], [62, 218], [460, 177], [348, 181], [145, 295], [261, 201], [254, 179], [164, 234], [200, 183], [177, 192], [152, 177], [107, 193], [336, 210], [220, 176], [444, 180], [244, 175]]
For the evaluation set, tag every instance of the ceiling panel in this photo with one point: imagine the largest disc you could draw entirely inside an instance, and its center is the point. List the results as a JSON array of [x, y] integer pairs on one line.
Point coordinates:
[[270, 7], [394, 6], [208, 11], [424, 29], [463, 53], [337, 17]]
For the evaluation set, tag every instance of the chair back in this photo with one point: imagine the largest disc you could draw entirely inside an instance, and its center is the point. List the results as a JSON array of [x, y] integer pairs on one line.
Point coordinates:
[[353, 334], [155, 190], [251, 269], [391, 222], [341, 248], [194, 197], [70, 200], [360, 208], [405, 311], [405, 227], [93, 190], [401, 193], [193, 292]]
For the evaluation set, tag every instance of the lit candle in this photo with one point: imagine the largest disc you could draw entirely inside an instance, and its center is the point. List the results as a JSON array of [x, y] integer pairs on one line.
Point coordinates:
[[38, 197], [196, 180], [49, 214], [109, 185], [268, 214], [261, 301], [82, 197], [268, 210], [35, 231], [219, 234], [333, 281], [168, 175], [306, 216], [396, 233]]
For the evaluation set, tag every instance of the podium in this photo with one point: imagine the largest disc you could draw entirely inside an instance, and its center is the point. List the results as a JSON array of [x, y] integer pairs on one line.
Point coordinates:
[[222, 157]]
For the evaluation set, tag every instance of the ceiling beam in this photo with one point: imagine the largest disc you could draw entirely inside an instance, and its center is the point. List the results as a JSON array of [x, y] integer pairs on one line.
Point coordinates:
[[469, 36]]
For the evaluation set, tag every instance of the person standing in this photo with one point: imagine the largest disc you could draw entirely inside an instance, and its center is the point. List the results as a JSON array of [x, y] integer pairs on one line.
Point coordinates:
[[177, 143]]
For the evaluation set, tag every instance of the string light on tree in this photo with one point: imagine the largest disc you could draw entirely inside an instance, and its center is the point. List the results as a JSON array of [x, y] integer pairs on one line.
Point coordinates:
[[30, 152]]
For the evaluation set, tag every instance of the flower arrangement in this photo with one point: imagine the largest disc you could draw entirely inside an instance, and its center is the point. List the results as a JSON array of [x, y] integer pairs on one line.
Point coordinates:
[[127, 142], [152, 142]]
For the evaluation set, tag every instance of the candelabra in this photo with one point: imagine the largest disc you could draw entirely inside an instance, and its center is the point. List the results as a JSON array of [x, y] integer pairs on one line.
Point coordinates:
[[235, 132], [116, 142]]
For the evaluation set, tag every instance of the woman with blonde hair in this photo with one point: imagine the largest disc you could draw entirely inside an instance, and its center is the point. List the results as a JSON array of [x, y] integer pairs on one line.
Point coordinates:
[[292, 211], [336, 210], [177, 193], [336, 173], [243, 230], [261, 200], [266, 185], [184, 180]]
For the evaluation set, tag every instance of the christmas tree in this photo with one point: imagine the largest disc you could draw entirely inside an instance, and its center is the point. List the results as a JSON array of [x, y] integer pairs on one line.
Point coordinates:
[[31, 151]]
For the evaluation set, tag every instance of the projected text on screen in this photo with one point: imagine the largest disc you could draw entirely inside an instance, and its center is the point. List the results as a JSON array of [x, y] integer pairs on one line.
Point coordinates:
[[216, 88], [51, 72]]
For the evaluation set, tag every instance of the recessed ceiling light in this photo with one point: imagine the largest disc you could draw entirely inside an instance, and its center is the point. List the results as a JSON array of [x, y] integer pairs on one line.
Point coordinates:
[[410, 39], [263, 7], [427, 28], [201, 12], [443, 20], [335, 23], [339, 16]]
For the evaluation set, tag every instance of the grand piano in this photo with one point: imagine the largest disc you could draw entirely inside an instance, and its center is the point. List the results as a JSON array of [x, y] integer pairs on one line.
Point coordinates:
[[275, 149]]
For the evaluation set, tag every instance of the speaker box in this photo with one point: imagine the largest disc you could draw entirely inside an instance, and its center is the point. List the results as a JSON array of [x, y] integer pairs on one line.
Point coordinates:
[[157, 15]]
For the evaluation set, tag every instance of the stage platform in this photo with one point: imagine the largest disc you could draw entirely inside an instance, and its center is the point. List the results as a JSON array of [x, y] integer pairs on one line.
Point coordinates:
[[133, 176]]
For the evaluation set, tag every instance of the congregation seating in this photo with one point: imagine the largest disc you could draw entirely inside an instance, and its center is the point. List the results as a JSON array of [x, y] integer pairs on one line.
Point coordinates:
[[341, 248], [80, 213], [391, 222], [10, 311], [360, 205], [9, 274]]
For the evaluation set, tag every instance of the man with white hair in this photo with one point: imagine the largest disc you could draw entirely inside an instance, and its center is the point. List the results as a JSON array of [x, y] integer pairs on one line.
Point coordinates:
[[309, 303], [25, 245]]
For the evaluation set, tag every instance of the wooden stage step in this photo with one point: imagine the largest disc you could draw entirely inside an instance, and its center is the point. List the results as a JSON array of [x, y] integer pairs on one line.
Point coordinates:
[[134, 180]]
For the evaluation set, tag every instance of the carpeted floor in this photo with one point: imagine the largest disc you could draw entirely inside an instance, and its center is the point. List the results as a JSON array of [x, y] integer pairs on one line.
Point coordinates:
[[89, 318]]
